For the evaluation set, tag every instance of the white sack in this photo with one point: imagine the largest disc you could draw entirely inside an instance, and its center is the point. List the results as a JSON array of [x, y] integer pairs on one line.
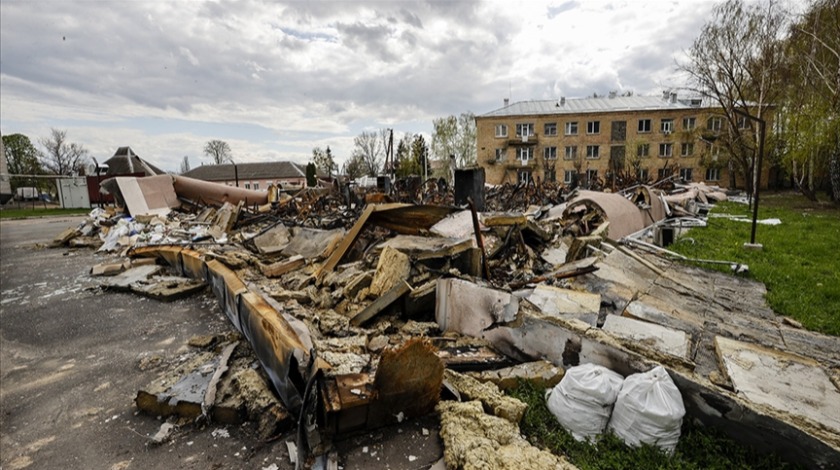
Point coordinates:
[[582, 401], [649, 409]]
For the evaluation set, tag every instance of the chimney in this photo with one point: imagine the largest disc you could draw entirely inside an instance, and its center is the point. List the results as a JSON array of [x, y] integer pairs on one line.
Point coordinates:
[[562, 101], [673, 97], [665, 94], [507, 101], [612, 94]]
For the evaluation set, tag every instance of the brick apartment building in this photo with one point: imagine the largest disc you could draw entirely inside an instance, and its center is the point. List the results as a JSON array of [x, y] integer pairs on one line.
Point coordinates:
[[587, 138]]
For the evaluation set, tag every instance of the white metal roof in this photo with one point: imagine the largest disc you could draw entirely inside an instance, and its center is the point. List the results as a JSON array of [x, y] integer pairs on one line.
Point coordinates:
[[591, 105]]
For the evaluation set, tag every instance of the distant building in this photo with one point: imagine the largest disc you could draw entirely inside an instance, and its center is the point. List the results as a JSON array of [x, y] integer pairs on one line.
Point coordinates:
[[560, 140], [252, 175]]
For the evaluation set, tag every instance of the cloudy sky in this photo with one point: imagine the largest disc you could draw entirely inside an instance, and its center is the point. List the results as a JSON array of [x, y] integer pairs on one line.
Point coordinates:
[[275, 79]]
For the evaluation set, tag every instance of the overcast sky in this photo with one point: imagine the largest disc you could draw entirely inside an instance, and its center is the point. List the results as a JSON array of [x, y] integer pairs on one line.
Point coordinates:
[[275, 80]]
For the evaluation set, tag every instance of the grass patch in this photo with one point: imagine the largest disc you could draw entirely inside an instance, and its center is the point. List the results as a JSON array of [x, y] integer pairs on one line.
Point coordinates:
[[698, 448], [20, 213], [799, 264]]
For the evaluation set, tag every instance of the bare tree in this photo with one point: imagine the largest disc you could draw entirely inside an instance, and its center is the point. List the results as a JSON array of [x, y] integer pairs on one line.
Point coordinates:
[[185, 164], [354, 167], [368, 147], [324, 161], [736, 62], [61, 157], [219, 151]]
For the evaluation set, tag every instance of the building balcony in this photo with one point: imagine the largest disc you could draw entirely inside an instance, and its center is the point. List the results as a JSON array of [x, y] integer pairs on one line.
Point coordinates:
[[520, 140], [516, 164]]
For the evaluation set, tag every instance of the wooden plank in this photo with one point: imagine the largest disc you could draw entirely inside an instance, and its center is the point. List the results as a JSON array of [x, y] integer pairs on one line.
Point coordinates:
[[381, 303], [282, 267]]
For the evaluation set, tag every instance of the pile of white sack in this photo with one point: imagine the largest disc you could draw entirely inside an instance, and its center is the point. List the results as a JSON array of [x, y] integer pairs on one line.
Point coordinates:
[[643, 408]]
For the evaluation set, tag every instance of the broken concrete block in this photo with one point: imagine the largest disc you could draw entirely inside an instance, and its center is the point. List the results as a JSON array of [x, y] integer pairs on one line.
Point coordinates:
[[663, 339], [274, 240], [62, 238], [131, 276], [163, 434], [361, 281], [764, 376], [167, 288], [555, 301], [475, 440], [468, 308], [542, 373], [312, 243], [393, 268], [488, 394]]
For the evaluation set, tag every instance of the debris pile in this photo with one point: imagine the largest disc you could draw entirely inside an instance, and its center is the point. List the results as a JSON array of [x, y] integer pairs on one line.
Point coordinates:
[[360, 313]]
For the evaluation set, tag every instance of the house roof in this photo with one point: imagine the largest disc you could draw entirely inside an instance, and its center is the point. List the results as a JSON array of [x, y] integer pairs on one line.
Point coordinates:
[[261, 170], [593, 105], [125, 161]]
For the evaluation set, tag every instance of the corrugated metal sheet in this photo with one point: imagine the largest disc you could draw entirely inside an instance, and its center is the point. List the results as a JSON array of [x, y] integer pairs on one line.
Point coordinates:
[[589, 105]]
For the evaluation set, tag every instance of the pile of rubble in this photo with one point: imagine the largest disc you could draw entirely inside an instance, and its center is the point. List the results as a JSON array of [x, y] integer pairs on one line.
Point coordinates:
[[359, 314]]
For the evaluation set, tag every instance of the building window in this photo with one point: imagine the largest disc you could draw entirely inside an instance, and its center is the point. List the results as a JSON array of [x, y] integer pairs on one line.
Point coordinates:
[[525, 153], [591, 176], [667, 126], [714, 124], [525, 129], [571, 128], [501, 130], [568, 176], [593, 127], [501, 154], [689, 123], [644, 125], [550, 128], [663, 173], [687, 149], [256, 186], [643, 150], [642, 174], [714, 152], [712, 174], [524, 176], [550, 153], [593, 151], [551, 175], [666, 150], [685, 174], [247, 185], [571, 152], [743, 123]]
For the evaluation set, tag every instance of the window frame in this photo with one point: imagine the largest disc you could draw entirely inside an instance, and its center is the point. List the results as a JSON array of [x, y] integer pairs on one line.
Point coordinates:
[[570, 128], [666, 150], [689, 171], [689, 123], [718, 127], [686, 146], [593, 155], [643, 150], [712, 171], [548, 151], [666, 125], [574, 149], [529, 126], [593, 127], [569, 176], [501, 154], [504, 131], [529, 152], [645, 129], [550, 129], [643, 174]]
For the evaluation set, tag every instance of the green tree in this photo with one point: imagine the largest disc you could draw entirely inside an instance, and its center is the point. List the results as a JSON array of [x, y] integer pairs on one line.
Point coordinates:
[[324, 160], [311, 175], [420, 152], [407, 162], [22, 158], [455, 136], [61, 157], [219, 151], [354, 167], [737, 63], [812, 104]]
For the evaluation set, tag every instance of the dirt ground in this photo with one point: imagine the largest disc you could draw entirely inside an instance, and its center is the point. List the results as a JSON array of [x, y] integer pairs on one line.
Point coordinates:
[[70, 367]]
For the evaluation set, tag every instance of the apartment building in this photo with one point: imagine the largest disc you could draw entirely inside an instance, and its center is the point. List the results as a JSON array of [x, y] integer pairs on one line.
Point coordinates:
[[589, 139]]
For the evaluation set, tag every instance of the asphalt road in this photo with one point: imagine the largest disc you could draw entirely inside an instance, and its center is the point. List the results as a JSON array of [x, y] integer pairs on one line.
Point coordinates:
[[69, 357]]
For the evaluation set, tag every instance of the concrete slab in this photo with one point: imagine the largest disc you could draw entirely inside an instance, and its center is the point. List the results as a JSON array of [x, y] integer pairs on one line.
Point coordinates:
[[555, 301], [785, 382], [663, 339]]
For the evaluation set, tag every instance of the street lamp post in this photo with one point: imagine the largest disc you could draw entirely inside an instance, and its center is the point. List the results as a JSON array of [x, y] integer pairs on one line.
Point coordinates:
[[762, 126]]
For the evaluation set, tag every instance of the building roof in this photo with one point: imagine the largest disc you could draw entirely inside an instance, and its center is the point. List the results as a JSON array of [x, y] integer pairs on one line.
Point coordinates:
[[594, 105], [125, 161], [248, 171]]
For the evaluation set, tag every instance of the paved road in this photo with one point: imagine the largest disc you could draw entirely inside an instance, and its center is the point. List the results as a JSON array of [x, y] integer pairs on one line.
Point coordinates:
[[69, 357]]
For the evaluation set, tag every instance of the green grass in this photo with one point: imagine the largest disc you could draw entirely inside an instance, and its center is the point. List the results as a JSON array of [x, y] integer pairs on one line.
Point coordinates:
[[698, 448], [800, 261], [36, 212]]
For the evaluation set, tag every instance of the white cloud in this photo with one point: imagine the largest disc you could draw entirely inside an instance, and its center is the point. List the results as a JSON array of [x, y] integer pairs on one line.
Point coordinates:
[[276, 80]]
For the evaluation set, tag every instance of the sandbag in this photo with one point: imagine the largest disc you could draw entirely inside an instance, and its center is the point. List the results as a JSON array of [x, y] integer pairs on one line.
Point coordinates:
[[583, 399], [649, 409]]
